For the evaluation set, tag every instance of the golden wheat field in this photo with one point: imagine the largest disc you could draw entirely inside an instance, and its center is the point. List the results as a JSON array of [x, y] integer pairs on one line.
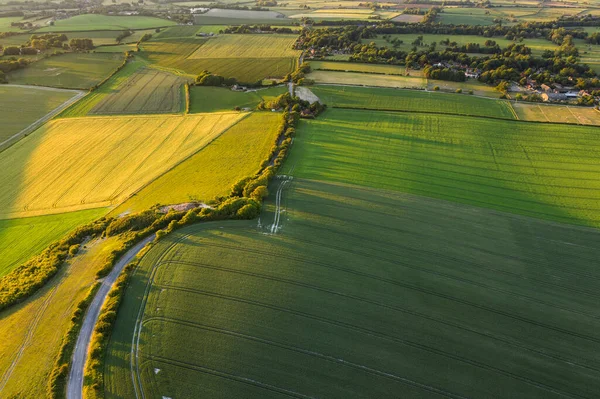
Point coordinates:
[[82, 163]]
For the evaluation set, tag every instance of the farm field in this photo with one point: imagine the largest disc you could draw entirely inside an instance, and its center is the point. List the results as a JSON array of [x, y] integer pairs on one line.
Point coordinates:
[[39, 324], [465, 16], [58, 169], [20, 239], [212, 99], [478, 88], [412, 100], [540, 170], [99, 37], [236, 154], [20, 107], [356, 67], [148, 91], [120, 48], [70, 71], [557, 113], [217, 16], [190, 56], [367, 79], [105, 22], [378, 291], [5, 24]]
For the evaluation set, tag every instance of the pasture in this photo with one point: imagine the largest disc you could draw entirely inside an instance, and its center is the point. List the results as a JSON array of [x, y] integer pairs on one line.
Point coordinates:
[[412, 101], [557, 113], [367, 79], [217, 16], [70, 71], [22, 106], [5, 24], [377, 291], [465, 16], [267, 56], [20, 239], [539, 170], [83, 163], [89, 22], [236, 154], [213, 99], [356, 67], [148, 91], [31, 332]]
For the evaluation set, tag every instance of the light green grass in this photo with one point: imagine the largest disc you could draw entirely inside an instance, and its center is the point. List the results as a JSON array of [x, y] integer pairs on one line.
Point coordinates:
[[412, 100], [465, 16], [20, 107], [368, 79], [356, 67], [20, 239], [557, 113], [541, 170], [89, 22], [121, 48], [5, 24], [211, 99], [71, 70], [236, 154], [364, 293]]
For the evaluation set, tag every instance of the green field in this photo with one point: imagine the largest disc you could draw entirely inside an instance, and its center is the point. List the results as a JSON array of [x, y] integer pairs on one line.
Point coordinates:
[[363, 293], [5, 24], [356, 67], [412, 100], [465, 16], [236, 154], [89, 22], [83, 163], [557, 113], [148, 91], [368, 79], [20, 239], [20, 107], [248, 58], [212, 99], [71, 70], [239, 17]]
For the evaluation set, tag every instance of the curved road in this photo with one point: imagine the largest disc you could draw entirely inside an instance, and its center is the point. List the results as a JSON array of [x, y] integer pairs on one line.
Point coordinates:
[[75, 383]]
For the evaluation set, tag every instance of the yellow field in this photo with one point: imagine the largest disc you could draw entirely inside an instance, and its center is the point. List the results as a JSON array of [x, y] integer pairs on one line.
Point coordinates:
[[247, 46], [82, 163], [366, 79], [557, 113]]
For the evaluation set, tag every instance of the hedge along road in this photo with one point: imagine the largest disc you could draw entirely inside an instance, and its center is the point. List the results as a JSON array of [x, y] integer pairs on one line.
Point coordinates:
[[75, 383]]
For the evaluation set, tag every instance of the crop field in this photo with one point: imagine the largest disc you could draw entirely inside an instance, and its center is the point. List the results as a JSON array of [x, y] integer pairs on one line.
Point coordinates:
[[356, 67], [177, 31], [267, 57], [20, 107], [83, 163], [557, 113], [236, 154], [5, 24], [16, 40], [31, 332], [412, 100], [71, 71], [363, 293], [148, 91], [478, 88], [237, 17], [367, 79], [105, 22], [466, 16], [120, 48], [23, 238], [540, 170], [99, 37], [212, 99]]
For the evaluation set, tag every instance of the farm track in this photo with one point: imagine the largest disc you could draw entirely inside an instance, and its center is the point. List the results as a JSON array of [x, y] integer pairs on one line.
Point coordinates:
[[275, 227]]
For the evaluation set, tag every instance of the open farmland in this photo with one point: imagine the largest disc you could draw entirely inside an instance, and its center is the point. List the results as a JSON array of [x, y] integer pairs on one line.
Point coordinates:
[[412, 100], [211, 99], [217, 16], [266, 55], [356, 67], [70, 71], [23, 238], [235, 154], [22, 106], [148, 91], [31, 332], [83, 163], [557, 113], [540, 170], [363, 293], [105, 22], [367, 79]]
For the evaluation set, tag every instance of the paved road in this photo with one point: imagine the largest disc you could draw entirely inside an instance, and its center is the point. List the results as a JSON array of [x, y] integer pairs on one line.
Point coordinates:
[[75, 383]]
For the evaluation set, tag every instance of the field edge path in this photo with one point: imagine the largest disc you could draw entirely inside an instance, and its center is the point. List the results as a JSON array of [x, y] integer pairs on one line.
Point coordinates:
[[75, 381]]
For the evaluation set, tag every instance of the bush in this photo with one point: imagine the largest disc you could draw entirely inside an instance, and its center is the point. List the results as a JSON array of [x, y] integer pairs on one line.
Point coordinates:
[[459, 90], [436, 88]]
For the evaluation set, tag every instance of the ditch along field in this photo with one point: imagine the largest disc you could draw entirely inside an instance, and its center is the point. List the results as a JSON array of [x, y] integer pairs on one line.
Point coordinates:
[[70, 71], [90, 22], [412, 100], [534, 169], [235, 154], [32, 331], [363, 293], [22, 106], [59, 169], [368, 79], [148, 91], [248, 58], [213, 99]]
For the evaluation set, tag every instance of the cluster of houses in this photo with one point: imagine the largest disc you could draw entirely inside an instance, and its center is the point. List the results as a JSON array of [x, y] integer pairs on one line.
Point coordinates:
[[556, 93]]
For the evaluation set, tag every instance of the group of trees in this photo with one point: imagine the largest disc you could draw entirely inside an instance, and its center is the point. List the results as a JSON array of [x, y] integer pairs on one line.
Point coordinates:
[[256, 28], [81, 44], [431, 72], [207, 78]]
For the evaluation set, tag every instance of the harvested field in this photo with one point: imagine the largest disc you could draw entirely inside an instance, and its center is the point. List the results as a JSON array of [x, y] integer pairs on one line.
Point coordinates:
[[367, 79], [247, 46], [82, 163], [408, 18], [148, 91], [357, 67], [557, 113]]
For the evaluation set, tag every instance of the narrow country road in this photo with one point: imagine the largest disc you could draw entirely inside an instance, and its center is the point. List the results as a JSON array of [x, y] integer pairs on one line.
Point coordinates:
[[75, 382]]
